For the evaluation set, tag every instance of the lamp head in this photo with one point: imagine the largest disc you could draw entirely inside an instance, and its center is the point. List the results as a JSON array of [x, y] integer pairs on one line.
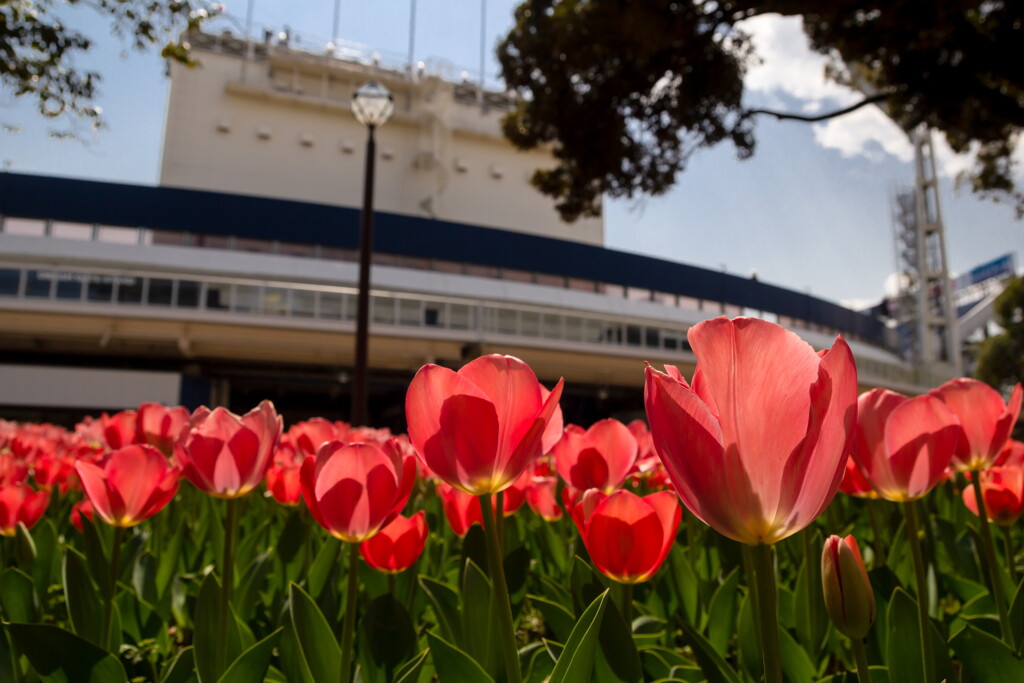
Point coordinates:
[[372, 104]]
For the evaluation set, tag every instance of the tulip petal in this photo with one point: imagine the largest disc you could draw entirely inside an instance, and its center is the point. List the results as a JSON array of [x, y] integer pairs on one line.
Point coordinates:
[[921, 436], [513, 389], [758, 374]]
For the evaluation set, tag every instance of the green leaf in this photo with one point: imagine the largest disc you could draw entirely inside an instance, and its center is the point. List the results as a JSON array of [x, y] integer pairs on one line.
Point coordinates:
[[84, 606], [207, 636], [1017, 618], [317, 645], [710, 661], [557, 617], [47, 555], [96, 554], [585, 585], [247, 597], [811, 617], [169, 559], [252, 664], [25, 553], [453, 664], [50, 650], [796, 664], [985, 658], [445, 600], [410, 672], [576, 662], [323, 566], [617, 659], [722, 613], [181, 668], [904, 643], [478, 619], [17, 596], [749, 649], [387, 639]]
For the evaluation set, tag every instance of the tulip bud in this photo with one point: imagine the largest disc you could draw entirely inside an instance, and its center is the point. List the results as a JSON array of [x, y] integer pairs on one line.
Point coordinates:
[[848, 595]]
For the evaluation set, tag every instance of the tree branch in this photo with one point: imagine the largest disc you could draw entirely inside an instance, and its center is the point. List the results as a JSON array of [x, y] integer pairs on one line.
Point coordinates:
[[781, 116]]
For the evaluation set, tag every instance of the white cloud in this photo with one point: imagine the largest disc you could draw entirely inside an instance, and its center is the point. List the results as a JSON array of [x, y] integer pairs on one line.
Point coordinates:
[[790, 67]]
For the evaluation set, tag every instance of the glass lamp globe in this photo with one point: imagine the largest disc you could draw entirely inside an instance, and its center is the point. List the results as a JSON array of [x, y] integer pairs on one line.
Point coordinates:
[[372, 104]]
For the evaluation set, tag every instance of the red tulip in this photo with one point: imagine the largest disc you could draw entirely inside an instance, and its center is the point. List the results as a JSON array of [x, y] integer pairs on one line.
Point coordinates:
[[849, 598], [755, 446], [903, 445], [354, 490], [479, 428], [308, 436], [1003, 491], [283, 483], [540, 496], [854, 482], [12, 469], [82, 508], [121, 429], [398, 545], [19, 503], [226, 455], [1012, 454], [130, 485], [161, 427], [596, 458], [985, 418], [627, 537], [461, 509]]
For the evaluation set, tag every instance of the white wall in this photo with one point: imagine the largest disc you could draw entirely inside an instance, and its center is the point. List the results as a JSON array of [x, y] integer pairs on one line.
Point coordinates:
[[287, 132], [36, 385]]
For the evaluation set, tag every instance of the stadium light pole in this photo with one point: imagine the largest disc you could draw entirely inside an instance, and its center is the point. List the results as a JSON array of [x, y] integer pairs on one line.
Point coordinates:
[[372, 105]]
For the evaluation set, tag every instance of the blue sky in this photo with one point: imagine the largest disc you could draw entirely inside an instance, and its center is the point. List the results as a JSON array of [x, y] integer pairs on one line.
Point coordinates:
[[810, 211]]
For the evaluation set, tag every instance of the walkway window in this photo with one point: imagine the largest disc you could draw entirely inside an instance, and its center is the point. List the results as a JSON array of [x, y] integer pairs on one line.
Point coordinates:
[[9, 279], [303, 303], [275, 301], [38, 283], [69, 286], [188, 294], [330, 306], [129, 290], [160, 291]]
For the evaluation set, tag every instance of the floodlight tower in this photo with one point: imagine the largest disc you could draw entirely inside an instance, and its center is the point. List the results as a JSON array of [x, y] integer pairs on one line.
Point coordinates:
[[926, 295]]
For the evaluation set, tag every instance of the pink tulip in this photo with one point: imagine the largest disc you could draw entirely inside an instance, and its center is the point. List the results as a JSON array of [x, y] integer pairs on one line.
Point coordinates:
[[130, 485], [985, 418], [480, 427], [756, 445], [161, 426], [226, 455], [596, 458], [903, 445], [354, 490]]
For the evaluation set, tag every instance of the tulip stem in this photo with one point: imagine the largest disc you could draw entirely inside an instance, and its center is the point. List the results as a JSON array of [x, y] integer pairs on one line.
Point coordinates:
[[876, 532], [768, 612], [227, 582], [348, 629], [861, 657], [921, 577], [623, 595], [994, 573], [108, 609], [755, 603], [1011, 554], [499, 593]]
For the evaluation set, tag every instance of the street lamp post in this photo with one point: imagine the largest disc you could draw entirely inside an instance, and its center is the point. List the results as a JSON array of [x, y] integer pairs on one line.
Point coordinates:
[[372, 106]]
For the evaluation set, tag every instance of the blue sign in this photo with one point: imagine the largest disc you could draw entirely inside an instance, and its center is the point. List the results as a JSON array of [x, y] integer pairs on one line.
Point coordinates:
[[996, 268]]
